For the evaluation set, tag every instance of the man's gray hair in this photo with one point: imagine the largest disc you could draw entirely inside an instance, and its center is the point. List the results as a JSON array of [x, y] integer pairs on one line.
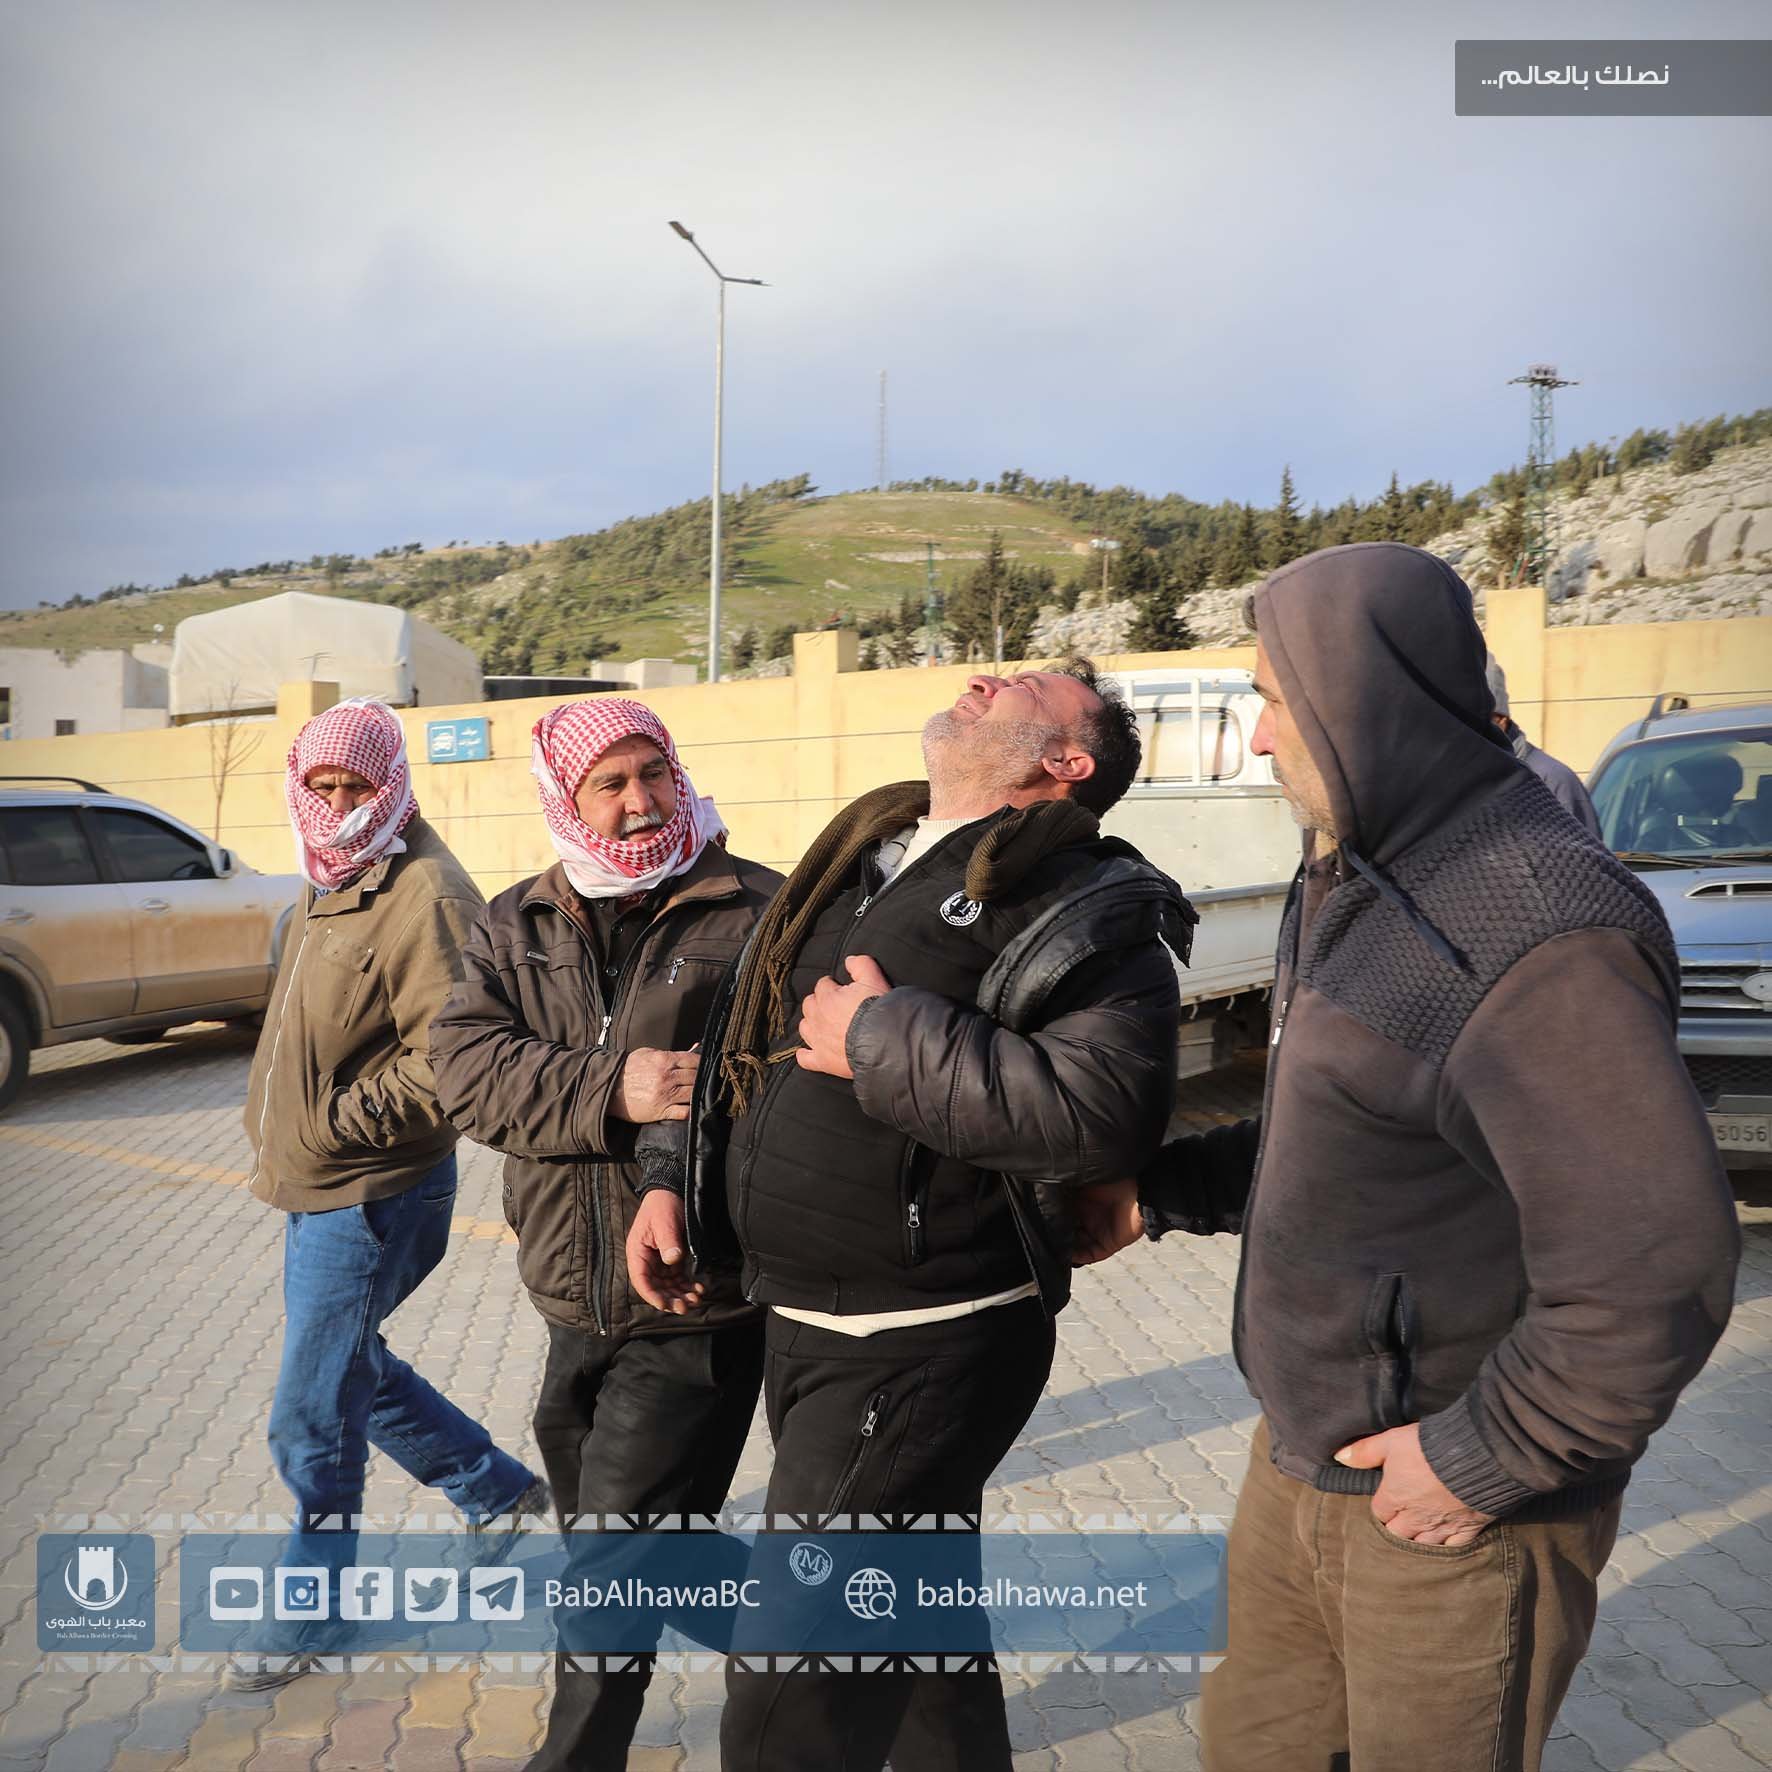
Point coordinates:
[[1497, 683]]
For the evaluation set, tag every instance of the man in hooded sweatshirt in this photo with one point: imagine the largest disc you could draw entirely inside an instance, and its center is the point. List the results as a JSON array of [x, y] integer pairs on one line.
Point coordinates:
[[1565, 785], [1486, 1237]]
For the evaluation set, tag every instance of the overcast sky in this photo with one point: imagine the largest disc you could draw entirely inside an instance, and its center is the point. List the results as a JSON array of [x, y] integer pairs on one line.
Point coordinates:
[[296, 277]]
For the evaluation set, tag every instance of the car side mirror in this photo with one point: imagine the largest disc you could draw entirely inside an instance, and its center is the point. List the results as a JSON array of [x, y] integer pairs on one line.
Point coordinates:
[[224, 863]]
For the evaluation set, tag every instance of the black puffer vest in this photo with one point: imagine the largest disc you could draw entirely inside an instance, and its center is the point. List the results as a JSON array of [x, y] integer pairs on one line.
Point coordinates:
[[835, 1211]]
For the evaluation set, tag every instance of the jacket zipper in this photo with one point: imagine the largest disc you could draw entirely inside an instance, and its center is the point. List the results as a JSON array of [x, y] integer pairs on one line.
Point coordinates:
[[594, 1204], [869, 1421], [914, 1190], [1267, 1097], [599, 1274], [264, 1112]]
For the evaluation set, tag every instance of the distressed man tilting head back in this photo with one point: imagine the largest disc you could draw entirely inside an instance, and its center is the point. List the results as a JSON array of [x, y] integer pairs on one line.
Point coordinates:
[[889, 1085]]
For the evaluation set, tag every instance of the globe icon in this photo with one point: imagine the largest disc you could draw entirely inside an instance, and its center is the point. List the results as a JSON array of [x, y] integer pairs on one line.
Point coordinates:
[[870, 1593]]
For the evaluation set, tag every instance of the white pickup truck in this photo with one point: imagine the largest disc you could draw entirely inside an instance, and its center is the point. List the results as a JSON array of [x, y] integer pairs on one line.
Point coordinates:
[[1205, 808]]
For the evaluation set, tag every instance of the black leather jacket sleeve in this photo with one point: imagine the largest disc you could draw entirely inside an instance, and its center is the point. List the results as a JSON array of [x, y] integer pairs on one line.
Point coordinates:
[[1083, 1098], [1200, 1183]]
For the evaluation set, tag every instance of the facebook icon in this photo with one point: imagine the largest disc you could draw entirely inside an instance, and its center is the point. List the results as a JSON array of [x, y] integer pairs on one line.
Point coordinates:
[[366, 1594]]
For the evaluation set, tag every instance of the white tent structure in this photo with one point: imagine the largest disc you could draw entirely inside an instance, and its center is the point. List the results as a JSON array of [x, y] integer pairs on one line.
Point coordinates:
[[234, 660]]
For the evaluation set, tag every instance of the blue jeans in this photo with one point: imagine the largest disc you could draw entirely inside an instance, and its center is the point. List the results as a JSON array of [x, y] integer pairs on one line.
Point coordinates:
[[341, 1390]]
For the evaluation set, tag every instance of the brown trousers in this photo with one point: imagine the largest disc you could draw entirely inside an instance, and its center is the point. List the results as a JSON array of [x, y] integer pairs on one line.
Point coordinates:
[[1351, 1648]]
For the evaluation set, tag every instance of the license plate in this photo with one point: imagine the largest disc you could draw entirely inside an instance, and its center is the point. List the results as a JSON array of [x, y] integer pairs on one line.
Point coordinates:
[[1743, 1132]]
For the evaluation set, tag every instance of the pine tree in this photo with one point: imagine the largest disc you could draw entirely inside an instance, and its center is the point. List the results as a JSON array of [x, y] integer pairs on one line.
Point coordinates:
[[1393, 523], [744, 650], [1158, 626], [1285, 535], [1507, 540], [1239, 552], [980, 602]]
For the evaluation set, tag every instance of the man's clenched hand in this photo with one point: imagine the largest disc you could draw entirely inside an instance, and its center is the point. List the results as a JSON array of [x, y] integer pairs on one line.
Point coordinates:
[[658, 1255], [1411, 1501], [1106, 1220], [655, 1085], [825, 1016]]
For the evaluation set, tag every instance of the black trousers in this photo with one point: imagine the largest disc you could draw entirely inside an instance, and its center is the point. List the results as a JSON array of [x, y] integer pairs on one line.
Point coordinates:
[[649, 1424], [946, 1401]]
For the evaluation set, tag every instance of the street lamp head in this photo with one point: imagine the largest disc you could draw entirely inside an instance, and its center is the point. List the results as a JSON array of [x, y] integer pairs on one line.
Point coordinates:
[[682, 232]]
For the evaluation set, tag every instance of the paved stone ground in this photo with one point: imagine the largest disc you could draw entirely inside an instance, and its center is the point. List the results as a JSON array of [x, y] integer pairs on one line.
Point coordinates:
[[138, 1343]]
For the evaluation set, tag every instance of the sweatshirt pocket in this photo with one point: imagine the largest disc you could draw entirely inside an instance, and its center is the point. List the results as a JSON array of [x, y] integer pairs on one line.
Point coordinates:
[[1392, 1334]]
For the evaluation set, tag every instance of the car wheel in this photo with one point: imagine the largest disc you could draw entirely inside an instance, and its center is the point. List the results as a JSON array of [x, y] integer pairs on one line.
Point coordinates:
[[15, 1050], [142, 1037]]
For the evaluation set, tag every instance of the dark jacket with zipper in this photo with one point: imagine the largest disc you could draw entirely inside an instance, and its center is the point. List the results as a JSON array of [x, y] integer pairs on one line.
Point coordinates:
[[934, 1175], [529, 1049], [1484, 1197]]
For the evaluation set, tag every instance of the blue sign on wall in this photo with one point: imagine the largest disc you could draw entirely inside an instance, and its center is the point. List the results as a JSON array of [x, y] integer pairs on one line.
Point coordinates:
[[457, 741]]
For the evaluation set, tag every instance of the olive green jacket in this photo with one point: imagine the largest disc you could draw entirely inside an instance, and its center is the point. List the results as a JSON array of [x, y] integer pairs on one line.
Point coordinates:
[[342, 1105]]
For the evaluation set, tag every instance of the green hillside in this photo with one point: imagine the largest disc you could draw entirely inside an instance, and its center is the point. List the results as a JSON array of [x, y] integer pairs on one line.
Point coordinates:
[[635, 590], [794, 561]]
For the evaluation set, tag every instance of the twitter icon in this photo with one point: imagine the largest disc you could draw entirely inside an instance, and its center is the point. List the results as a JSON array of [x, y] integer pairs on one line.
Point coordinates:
[[431, 1596]]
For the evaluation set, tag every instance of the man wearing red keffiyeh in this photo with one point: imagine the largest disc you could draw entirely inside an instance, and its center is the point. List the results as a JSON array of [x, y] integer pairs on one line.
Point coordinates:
[[575, 1026], [349, 1142]]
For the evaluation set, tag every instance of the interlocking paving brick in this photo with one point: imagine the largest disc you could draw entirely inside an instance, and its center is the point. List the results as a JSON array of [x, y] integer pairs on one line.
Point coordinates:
[[283, 1753], [226, 1737], [304, 1709], [140, 1759], [426, 1750], [504, 1723], [362, 1736], [156, 1401], [439, 1701]]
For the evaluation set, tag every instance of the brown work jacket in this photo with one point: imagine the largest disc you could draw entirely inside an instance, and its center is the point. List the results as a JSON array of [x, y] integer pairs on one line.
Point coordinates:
[[341, 1106], [530, 1047]]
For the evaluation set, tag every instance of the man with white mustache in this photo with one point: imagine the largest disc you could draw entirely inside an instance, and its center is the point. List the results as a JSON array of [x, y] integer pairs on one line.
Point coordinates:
[[585, 992]]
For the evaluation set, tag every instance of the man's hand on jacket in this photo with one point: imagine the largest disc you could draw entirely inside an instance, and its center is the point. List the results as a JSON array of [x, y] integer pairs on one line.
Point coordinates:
[[654, 1085], [825, 1016], [1411, 1501], [658, 1255], [1106, 1219]]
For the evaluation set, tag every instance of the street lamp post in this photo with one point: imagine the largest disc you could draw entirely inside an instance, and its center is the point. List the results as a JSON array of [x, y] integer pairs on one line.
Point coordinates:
[[719, 429]]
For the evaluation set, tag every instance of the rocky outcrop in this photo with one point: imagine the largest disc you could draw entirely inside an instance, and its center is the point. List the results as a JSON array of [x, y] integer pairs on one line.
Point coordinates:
[[1726, 537], [1679, 543], [1618, 549]]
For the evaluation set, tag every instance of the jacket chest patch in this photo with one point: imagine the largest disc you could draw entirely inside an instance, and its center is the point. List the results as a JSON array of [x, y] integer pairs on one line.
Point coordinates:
[[960, 910]]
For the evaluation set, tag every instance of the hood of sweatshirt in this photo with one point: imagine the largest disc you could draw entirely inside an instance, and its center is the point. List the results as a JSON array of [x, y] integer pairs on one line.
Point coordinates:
[[1378, 654]]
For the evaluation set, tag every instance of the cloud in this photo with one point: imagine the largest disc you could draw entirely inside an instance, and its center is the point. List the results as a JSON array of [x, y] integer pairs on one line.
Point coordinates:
[[295, 279]]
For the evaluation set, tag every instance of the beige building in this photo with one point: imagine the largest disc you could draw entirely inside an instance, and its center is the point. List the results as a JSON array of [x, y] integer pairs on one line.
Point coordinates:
[[45, 693], [233, 661]]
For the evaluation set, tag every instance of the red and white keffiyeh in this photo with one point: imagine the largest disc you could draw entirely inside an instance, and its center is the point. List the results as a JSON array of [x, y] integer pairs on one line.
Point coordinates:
[[364, 736], [568, 742]]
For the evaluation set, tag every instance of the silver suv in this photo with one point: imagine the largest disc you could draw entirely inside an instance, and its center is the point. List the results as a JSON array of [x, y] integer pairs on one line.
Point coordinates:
[[118, 920], [1685, 796]]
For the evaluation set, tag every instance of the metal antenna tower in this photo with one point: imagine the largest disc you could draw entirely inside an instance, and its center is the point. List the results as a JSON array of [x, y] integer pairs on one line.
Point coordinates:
[[1541, 467], [880, 444]]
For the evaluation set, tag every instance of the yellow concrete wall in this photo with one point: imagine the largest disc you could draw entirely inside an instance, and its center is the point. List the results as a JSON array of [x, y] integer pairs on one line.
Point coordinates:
[[780, 755], [1572, 688]]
